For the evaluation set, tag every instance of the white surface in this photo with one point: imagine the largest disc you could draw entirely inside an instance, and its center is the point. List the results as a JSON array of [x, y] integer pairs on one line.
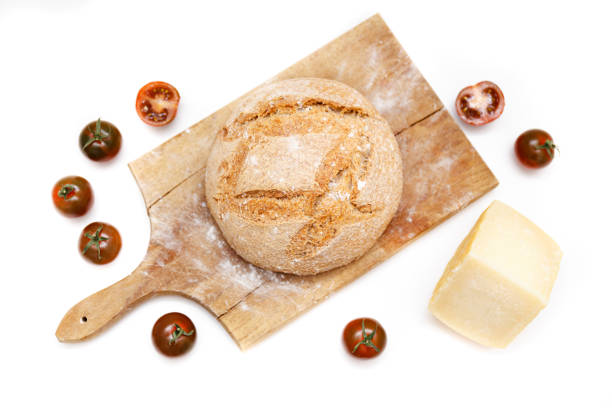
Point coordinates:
[[64, 63]]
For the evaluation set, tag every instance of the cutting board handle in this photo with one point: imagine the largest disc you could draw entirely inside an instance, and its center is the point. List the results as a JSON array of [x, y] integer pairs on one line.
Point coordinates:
[[95, 312]]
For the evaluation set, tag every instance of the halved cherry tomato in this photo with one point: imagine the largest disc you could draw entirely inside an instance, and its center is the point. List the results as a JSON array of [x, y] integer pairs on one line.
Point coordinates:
[[480, 104], [72, 196], [535, 148], [100, 140], [100, 243], [364, 338], [157, 103], [174, 334]]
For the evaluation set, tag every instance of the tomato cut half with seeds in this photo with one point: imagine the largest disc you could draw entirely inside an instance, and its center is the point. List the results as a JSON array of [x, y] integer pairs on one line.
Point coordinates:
[[157, 103], [480, 104]]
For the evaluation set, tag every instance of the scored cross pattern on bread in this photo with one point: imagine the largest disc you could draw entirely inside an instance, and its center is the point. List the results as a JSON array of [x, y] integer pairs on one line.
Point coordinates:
[[299, 154]]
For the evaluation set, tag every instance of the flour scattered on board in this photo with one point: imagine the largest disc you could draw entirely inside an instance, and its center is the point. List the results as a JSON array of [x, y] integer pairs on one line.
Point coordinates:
[[212, 234], [444, 164], [163, 234]]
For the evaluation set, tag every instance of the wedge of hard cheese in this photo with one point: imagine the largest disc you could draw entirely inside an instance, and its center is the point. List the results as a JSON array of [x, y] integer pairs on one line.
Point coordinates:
[[499, 278]]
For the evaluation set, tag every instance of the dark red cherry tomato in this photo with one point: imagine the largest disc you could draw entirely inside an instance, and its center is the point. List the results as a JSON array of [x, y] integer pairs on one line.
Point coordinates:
[[72, 196], [480, 104], [364, 338], [100, 243], [100, 140], [174, 334], [535, 148], [157, 103]]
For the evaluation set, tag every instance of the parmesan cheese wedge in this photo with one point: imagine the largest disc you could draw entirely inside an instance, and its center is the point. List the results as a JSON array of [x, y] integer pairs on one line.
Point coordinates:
[[499, 279]]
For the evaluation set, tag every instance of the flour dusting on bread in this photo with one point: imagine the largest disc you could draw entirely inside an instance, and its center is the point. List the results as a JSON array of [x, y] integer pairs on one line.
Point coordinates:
[[304, 177]]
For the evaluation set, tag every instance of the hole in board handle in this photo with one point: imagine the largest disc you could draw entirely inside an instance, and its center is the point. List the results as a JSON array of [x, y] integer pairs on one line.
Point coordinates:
[[84, 319]]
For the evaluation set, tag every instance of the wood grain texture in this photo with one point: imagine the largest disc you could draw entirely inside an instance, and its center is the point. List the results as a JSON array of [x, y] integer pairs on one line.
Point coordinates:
[[187, 254], [368, 58]]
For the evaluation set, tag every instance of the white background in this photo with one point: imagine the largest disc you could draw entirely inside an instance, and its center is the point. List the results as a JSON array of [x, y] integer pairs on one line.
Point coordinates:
[[64, 63]]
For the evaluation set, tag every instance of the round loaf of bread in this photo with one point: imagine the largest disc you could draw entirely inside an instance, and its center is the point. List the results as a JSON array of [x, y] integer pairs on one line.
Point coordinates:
[[304, 177]]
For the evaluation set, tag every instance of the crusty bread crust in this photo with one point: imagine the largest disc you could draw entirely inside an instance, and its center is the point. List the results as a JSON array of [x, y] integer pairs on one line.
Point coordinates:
[[304, 177]]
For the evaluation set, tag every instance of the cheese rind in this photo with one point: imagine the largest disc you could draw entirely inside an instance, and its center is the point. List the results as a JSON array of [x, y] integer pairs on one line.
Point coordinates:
[[499, 279]]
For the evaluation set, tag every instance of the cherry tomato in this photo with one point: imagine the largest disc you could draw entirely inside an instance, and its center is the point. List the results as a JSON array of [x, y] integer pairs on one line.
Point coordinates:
[[535, 148], [72, 196], [100, 140], [100, 243], [174, 334], [480, 104], [364, 338], [157, 103]]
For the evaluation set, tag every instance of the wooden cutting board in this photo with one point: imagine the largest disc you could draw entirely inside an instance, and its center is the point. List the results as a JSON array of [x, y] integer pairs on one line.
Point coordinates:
[[187, 254]]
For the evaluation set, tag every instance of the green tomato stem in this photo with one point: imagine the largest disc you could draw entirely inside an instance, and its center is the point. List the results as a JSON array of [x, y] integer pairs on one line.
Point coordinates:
[[97, 136], [550, 147], [65, 191], [98, 128], [178, 332], [367, 338], [94, 240]]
